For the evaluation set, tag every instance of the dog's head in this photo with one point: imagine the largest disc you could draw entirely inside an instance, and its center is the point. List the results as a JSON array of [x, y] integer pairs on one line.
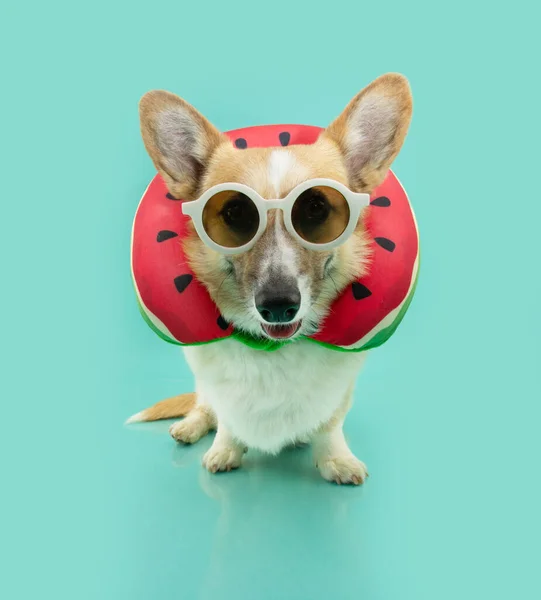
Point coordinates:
[[278, 288]]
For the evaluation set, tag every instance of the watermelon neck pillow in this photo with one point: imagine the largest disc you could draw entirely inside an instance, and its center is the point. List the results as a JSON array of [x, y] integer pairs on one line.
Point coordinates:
[[179, 309]]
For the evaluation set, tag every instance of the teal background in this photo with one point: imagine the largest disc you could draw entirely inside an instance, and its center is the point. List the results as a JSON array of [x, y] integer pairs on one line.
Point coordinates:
[[447, 413]]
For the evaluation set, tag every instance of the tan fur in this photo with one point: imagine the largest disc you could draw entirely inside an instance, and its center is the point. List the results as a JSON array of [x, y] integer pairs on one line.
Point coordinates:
[[249, 166], [394, 87], [181, 182]]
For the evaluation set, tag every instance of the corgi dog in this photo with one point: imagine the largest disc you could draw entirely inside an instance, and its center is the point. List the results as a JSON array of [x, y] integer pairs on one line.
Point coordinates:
[[278, 288]]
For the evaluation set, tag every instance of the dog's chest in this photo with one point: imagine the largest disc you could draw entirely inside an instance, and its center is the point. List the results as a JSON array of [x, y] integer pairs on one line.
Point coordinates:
[[270, 399]]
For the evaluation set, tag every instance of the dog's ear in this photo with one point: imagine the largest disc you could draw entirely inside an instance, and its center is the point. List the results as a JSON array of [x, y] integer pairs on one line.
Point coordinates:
[[372, 128], [179, 139]]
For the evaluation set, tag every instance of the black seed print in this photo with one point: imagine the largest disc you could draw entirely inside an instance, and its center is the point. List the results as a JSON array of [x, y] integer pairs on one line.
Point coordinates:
[[222, 323], [168, 195], [182, 282], [382, 201], [241, 143], [360, 291], [385, 243], [164, 234], [284, 138]]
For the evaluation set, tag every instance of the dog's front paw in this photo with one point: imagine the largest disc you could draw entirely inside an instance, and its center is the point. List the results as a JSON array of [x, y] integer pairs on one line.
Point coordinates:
[[343, 469], [189, 431], [223, 458]]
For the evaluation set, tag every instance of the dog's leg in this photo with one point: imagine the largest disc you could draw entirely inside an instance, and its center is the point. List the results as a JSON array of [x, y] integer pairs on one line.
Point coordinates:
[[225, 454], [335, 461], [197, 423]]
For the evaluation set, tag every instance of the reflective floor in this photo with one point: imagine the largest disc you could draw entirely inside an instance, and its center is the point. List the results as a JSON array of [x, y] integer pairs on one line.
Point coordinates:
[[273, 529]]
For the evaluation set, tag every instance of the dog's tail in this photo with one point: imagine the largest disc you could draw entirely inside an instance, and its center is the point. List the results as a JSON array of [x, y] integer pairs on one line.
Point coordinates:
[[171, 408]]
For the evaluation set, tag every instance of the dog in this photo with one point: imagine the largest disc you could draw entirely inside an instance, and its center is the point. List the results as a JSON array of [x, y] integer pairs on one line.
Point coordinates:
[[302, 392]]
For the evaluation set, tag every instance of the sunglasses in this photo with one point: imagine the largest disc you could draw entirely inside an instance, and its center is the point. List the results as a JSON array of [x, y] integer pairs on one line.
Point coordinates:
[[319, 213]]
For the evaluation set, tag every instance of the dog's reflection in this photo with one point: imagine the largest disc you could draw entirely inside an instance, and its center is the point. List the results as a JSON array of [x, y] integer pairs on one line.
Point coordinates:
[[277, 519]]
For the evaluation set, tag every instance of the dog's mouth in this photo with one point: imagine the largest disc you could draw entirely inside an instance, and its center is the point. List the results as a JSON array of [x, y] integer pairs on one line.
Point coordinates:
[[281, 332]]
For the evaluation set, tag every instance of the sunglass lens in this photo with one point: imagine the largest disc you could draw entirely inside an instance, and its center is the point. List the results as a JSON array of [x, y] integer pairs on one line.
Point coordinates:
[[320, 215], [230, 219]]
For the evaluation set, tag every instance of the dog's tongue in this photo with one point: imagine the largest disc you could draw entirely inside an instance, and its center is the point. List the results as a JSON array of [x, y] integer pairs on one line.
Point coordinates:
[[281, 332]]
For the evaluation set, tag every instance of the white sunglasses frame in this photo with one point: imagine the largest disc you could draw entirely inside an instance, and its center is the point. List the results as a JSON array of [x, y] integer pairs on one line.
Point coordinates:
[[356, 202]]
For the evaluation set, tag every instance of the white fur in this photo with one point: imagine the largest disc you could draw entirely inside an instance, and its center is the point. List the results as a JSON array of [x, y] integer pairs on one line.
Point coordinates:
[[268, 400], [335, 461], [136, 418], [284, 253], [225, 453], [281, 162]]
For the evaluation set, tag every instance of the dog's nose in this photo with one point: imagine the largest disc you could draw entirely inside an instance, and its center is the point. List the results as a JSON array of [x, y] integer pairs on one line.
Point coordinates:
[[278, 306]]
